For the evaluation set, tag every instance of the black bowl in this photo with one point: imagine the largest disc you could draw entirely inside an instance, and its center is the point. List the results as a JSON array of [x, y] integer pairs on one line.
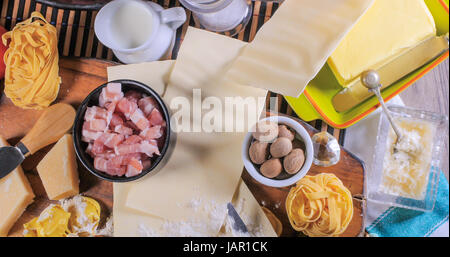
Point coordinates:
[[92, 100]]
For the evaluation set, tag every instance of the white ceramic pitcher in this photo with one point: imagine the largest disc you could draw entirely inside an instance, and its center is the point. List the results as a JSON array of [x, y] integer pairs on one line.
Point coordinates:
[[155, 42]]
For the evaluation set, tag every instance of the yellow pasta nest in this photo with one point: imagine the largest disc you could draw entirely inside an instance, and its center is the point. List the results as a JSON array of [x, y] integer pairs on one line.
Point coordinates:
[[320, 206], [31, 76]]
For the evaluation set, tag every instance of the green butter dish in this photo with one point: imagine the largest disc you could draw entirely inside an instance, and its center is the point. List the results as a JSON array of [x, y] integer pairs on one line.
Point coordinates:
[[316, 100]]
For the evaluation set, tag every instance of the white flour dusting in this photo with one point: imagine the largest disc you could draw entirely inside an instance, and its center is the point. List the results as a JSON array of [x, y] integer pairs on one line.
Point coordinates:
[[193, 227]]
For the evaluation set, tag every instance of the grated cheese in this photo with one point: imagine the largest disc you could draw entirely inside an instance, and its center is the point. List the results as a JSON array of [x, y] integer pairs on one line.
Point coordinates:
[[407, 164]]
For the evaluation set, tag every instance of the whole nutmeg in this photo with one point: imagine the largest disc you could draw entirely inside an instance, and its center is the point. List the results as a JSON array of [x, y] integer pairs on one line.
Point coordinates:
[[284, 131], [271, 168], [281, 147], [258, 152], [294, 161], [266, 131], [298, 144]]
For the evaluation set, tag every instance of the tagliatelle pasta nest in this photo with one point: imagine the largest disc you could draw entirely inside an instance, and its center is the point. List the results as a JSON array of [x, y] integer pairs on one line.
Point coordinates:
[[320, 206], [31, 76]]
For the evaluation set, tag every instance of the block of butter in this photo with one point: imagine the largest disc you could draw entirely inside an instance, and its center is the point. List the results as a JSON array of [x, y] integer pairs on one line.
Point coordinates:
[[15, 195], [58, 170], [388, 28]]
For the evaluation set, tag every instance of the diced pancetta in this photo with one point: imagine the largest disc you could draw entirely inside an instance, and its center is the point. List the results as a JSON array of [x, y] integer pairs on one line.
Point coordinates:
[[96, 125], [139, 119], [126, 107], [151, 133], [124, 132], [155, 118], [111, 93], [95, 112], [134, 168], [111, 140], [147, 104]]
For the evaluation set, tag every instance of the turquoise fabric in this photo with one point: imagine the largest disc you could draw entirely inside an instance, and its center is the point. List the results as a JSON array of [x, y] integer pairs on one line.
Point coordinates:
[[399, 222]]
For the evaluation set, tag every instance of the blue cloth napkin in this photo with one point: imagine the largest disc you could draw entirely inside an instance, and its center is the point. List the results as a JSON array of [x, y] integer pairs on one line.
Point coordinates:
[[399, 222]]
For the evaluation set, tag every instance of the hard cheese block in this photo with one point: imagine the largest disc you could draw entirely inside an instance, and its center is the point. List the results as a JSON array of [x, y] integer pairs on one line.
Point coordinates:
[[58, 170], [295, 43], [387, 29], [15, 195]]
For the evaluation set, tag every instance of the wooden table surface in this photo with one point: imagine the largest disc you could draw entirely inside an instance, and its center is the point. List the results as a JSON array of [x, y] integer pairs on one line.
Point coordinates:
[[431, 93]]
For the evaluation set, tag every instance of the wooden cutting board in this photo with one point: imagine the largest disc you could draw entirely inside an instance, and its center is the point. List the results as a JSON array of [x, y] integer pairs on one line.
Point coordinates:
[[350, 169], [79, 78]]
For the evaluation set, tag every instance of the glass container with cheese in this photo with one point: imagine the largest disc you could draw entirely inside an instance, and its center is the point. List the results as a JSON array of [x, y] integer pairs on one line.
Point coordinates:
[[405, 172]]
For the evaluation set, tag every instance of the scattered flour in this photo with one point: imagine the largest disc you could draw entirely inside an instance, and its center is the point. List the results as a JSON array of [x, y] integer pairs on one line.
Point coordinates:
[[193, 227], [196, 227]]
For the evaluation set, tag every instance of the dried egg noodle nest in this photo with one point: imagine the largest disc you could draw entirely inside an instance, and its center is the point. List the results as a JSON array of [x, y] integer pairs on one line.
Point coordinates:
[[320, 206], [31, 77]]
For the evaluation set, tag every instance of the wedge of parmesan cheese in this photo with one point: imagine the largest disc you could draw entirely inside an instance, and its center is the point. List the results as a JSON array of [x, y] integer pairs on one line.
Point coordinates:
[[58, 170], [15, 195]]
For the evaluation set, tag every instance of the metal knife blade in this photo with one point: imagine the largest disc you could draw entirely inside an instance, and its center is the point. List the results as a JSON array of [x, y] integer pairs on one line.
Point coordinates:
[[238, 224], [393, 71], [10, 158]]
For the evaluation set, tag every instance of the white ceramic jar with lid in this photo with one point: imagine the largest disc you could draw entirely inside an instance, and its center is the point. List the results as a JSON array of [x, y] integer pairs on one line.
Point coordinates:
[[223, 16]]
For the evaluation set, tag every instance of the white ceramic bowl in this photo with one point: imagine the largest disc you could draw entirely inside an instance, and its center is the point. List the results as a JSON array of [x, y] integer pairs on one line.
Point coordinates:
[[253, 170]]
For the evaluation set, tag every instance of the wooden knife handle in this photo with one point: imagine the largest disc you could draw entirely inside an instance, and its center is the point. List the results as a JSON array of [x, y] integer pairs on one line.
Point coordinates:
[[50, 127]]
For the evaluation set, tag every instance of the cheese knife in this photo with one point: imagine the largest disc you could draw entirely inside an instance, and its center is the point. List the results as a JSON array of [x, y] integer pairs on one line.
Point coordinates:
[[393, 71], [50, 127], [238, 225]]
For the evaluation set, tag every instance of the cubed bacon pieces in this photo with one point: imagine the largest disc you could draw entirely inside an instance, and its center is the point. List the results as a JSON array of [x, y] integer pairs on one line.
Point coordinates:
[[96, 125], [139, 119], [98, 147], [130, 124], [134, 168], [101, 164], [155, 118], [95, 112], [109, 167], [134, 139], [108, 154], [111, 140], [126, 158], [126, 107], [151, 133], [111, 93], [147, 104], [143, 147], [116, 120], [89, 135], [123, 130], [149, 148]]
